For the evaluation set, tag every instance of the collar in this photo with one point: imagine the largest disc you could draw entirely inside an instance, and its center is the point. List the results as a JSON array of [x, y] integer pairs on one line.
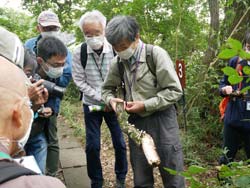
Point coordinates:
[[142, 57], [4, 152], [4, 155]]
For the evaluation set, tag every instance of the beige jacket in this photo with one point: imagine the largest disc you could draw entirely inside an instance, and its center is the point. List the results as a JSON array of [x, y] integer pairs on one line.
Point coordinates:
[[167, 92]]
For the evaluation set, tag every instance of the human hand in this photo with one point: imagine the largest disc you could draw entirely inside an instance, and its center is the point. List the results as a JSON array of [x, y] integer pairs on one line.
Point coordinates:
[[227, 90], [46, 112], [135, 107], [38, 94], [113, 102], [35, 89]]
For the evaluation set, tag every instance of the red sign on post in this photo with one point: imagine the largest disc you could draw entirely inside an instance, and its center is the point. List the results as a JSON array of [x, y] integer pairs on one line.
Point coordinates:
[[180, 70]]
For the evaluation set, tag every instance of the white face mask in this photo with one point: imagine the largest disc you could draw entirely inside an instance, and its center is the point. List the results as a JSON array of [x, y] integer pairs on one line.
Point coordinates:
[[126, 54], [95, 42], [52, 72], [50, 33], [24, 139]]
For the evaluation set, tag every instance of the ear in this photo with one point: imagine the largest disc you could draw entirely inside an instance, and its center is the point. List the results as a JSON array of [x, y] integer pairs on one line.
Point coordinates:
[[137, 37], [17, 115], [39, 60], [38, 28]]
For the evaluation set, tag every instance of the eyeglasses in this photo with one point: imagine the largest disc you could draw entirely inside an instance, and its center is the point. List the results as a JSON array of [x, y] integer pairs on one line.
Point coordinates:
[[50, 28], [55, 64]]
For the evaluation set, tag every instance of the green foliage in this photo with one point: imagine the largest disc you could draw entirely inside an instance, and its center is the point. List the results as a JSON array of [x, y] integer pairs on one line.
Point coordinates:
[[236, 173], [67, 10], [233, 175], [227, 54], [71, 110], [158, 19], [234, 48], [190, 174], [17, 22], [233, 76]]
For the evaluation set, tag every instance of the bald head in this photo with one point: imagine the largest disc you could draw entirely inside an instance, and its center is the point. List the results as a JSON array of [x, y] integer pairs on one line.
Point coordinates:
[[15, 112], [12, 78]]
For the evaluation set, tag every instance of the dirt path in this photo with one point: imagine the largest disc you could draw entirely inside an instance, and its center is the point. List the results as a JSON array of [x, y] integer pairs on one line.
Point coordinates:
[[73, 161]]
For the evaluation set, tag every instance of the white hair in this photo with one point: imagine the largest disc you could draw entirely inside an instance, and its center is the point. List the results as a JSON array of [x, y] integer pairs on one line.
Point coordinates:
[[93, 16]]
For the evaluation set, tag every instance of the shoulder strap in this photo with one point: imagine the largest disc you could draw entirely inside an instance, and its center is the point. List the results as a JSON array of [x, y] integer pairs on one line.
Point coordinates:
[[84, 54], [10, 170], [239, 70], [114, 53], [35, 47], [121, 73], [150, 61]]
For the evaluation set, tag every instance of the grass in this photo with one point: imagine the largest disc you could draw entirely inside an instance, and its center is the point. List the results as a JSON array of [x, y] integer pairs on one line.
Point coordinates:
[[73, 115]]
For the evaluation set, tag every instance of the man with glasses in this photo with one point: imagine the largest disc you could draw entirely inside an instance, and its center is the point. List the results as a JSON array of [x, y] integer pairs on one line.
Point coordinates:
[[51, 56]]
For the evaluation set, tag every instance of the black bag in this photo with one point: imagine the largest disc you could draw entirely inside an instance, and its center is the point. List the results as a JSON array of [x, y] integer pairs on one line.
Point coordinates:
[[10, 170], [238, 113]]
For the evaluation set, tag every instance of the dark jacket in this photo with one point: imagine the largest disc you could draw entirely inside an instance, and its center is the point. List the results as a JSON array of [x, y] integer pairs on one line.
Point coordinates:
[[237, 114], [27, 181], [63, 81]]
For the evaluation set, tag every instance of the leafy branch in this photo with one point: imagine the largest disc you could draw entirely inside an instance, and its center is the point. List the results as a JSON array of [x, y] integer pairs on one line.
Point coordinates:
[[234, 48]]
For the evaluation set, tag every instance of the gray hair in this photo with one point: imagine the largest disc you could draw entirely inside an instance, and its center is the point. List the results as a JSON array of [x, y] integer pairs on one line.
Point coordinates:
[[92, 16], [121, 27]]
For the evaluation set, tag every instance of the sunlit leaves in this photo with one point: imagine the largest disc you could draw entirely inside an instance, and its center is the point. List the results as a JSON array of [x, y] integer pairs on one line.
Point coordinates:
[[229, 71], [244, 55], [234, 44], [227, 53], [234, 48], [233, 76], [245, 89], [235, 79]]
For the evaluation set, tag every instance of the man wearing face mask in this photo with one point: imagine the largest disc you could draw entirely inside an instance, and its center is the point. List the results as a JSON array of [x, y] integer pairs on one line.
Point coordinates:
[[16, 117], [89, 79], [51, 59], [49, 25], [150, 93]]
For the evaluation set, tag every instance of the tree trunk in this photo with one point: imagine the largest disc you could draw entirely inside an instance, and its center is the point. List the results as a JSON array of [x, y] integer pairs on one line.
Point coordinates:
[[213, 33]]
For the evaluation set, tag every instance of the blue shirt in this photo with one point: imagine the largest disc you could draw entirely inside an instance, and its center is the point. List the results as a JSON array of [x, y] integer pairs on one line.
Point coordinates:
[[63, 81]]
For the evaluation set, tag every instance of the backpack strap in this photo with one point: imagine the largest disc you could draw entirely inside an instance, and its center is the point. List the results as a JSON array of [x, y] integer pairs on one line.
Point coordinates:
[[121, 73], [150, 61], [10, 170], [239, 68], [83, 54]]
